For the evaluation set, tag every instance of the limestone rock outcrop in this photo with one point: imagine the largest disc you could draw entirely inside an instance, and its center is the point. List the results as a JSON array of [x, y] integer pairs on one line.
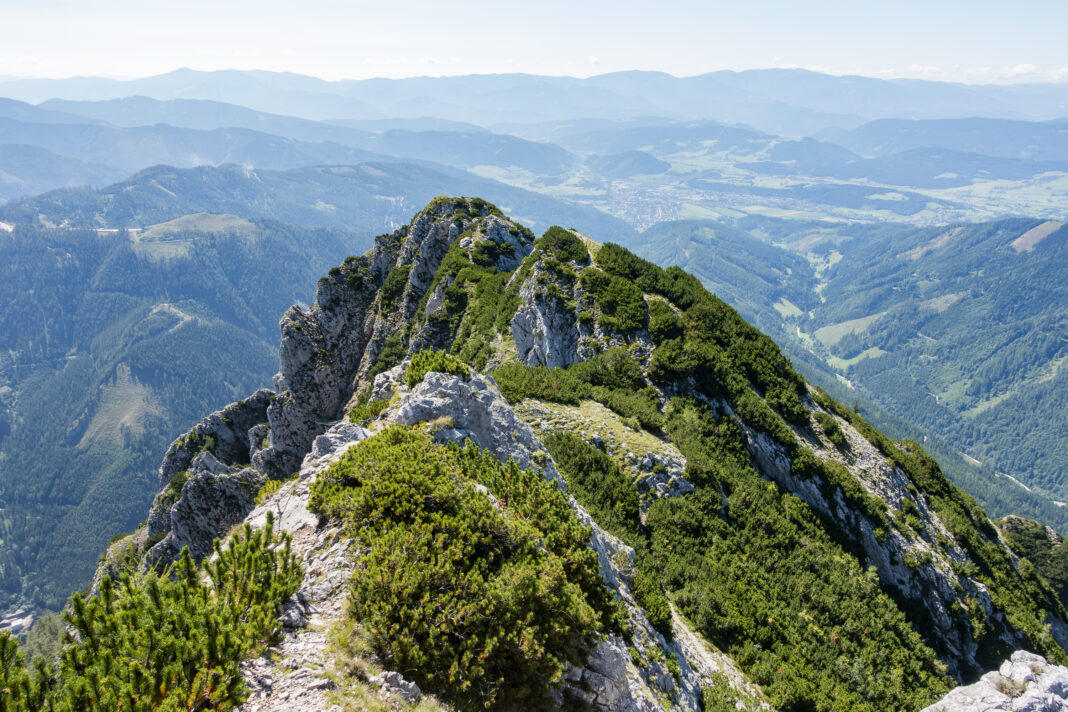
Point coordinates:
[[213, 499], [225, 433], [1024, 683], [327, 350], [205, 479]]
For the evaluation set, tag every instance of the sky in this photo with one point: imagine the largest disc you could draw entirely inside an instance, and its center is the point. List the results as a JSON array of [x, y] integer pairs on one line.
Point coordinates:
[[977, 41]]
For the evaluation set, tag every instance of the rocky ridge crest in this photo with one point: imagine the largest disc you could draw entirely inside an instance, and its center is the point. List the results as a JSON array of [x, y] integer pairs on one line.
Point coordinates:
[[407, 295]]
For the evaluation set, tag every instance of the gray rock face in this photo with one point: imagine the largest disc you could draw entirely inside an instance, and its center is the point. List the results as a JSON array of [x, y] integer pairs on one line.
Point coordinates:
[[318, 359], [388, 383], [424, 245], [213, 499], [472, 408], [336, 439], [228, 430], [603, 683], [545, 330], [1024, 683], [218, 445], [503, 232]]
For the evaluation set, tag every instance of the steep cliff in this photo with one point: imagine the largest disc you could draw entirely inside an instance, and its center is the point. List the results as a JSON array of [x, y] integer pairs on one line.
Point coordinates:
[[763, 544]]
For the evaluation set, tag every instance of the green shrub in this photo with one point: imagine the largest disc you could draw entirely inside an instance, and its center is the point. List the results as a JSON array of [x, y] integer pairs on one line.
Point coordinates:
[[1030, 540], [173, 490], [621, 303], [433, 361], [642, 406], [621, 262], [628, 396], [370, 410], [672, 664], [615, 368], [831, 429], [474, 341], [563, 245], [912, 515], [664, 323], [555, 385], [163, 641], [654, 602], [392, 287], [559, 269], [718, 696], [597, 482], [391, 354], [835, 474], [482, 598], [269, 488], [486, 252]]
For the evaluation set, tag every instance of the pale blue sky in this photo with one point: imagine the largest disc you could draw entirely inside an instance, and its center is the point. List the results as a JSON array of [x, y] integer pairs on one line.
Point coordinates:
[[962, 40]]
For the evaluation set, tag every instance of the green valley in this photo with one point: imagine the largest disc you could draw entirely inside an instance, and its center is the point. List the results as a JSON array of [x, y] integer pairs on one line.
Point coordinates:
[[959, 330], [114, 343]]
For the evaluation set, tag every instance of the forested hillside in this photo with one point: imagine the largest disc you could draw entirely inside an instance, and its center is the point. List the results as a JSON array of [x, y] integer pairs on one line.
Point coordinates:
[[114, 344], [956, 331], [983, 308]]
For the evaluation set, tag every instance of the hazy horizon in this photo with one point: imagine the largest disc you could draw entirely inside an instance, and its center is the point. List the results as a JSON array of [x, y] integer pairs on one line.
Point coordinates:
[[1021, 81], [952, 40]]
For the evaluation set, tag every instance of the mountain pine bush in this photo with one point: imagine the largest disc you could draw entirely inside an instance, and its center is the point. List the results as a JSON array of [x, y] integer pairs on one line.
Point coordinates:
[[162, 640], [425, 362], [475, 578]]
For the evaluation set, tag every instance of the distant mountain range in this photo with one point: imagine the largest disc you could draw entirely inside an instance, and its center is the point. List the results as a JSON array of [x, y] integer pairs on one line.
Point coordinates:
[[784, 101], [374, 196], [1043, 141], [606, 161]]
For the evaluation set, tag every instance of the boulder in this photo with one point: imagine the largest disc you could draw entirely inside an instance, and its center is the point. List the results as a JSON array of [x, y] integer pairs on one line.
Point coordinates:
[[1024, 683]]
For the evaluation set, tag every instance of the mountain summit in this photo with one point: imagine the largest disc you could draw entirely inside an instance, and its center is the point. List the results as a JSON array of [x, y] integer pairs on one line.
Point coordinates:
[[508, 472]]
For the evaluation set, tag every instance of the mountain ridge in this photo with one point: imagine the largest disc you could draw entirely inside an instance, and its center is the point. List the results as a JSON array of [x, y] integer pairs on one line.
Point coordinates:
[[775, 472]]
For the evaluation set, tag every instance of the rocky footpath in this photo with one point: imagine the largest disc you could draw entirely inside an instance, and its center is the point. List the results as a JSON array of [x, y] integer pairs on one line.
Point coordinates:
[[1024, 683]]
